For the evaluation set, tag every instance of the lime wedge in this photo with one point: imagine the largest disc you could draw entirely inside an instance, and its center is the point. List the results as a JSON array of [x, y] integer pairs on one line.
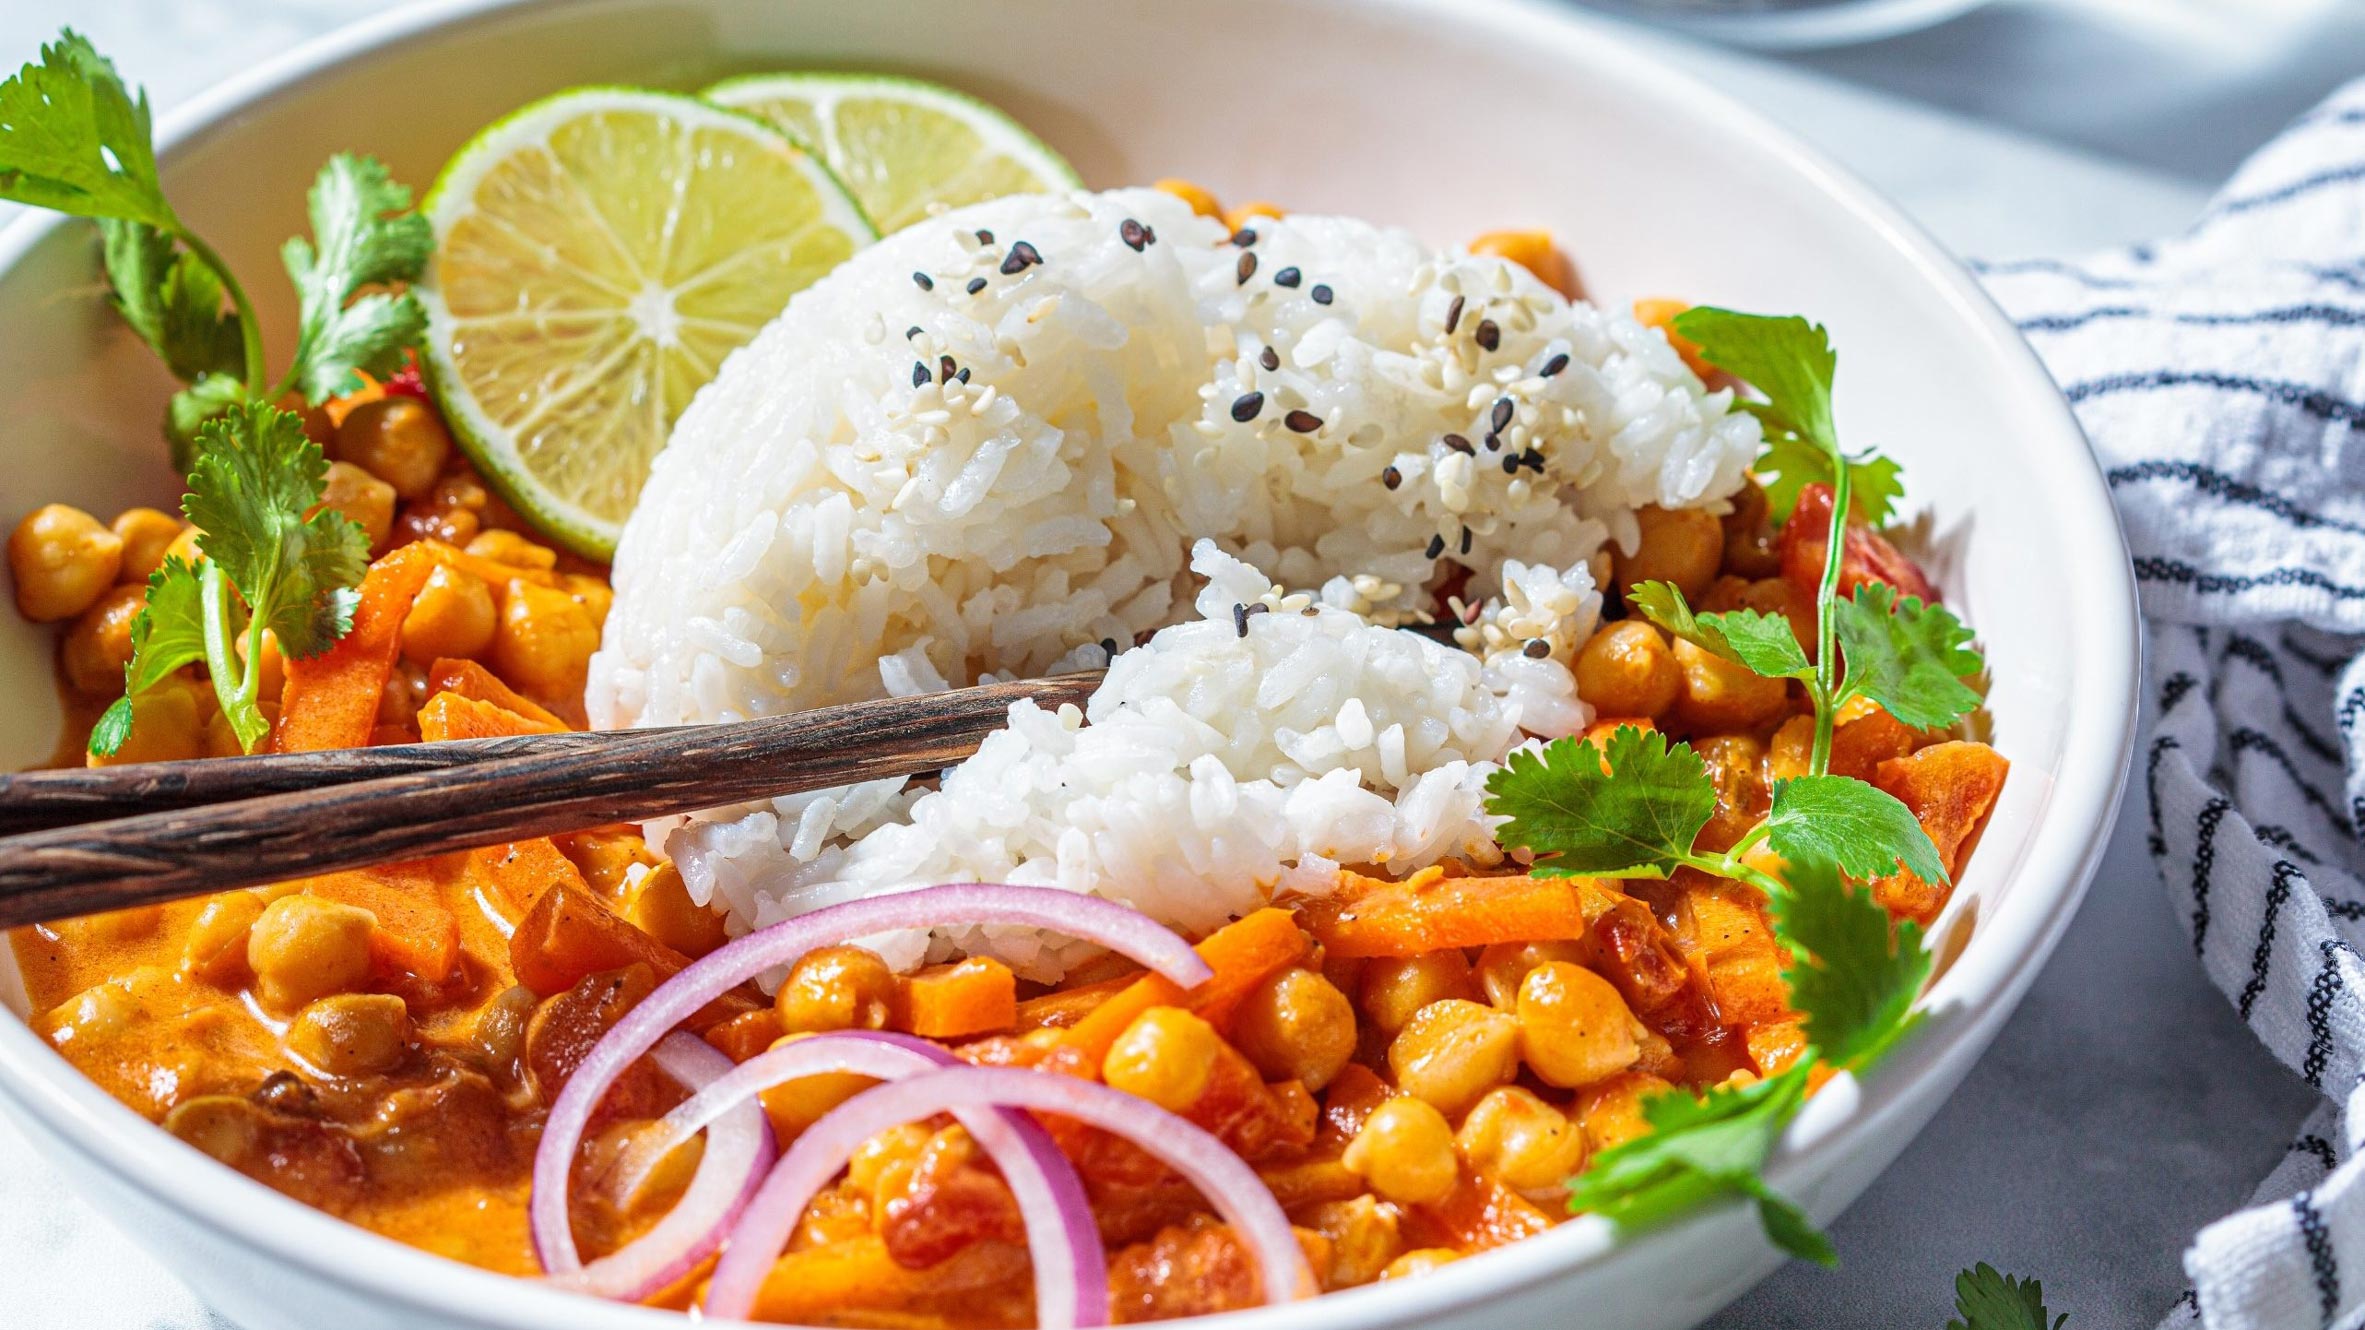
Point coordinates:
[[905, 148], [597, 255]]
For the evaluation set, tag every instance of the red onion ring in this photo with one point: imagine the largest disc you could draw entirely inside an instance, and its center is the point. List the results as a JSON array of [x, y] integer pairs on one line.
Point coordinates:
[[1071, 1267], [1205, 1162], [738, 1150], [1127, 932]]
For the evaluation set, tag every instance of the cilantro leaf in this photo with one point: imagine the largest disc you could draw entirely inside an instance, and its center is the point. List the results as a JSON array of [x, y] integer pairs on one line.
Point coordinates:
[[1987, 1299], [1632, 808], [192, 407], [1909, 657], [1763, 643], [368, 236], [1696, 1150], [1784, 357], [1858, 828], [171, 299], [1852, 977], [74, 139], [1791, 463], [168, 633], [256, 477]]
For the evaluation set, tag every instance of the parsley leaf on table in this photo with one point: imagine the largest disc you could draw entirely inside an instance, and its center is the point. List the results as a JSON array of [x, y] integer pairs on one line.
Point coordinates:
[[1863, 831], [1987, 1299], [1763, 643], [1852, 976], [367, 236], [1909, 657], [1631, 807]]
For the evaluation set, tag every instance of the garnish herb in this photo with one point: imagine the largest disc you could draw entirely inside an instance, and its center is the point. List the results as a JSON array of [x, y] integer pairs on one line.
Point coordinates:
[[1634, 805], [75, 139], [1987, 1299]]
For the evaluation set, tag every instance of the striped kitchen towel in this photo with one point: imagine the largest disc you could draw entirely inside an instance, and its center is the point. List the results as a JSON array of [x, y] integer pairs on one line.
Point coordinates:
[[2221, 377]]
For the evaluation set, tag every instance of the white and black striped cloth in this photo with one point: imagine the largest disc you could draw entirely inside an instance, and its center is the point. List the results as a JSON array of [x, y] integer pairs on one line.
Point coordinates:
[[2221, 377]]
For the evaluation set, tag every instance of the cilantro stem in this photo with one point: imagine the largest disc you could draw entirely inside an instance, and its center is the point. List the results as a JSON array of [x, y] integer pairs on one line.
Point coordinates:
[[1826, 683], [250, 328], [221, 658]]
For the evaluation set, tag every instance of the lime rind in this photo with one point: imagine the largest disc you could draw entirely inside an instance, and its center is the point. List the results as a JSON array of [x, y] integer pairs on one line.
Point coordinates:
[[492, 446]]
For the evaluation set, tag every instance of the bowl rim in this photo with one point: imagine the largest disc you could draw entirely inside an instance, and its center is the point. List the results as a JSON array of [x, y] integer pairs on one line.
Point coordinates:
[[1974, 994]]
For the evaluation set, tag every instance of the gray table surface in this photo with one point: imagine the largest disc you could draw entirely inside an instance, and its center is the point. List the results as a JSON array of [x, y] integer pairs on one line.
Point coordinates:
[[2123, 1106]]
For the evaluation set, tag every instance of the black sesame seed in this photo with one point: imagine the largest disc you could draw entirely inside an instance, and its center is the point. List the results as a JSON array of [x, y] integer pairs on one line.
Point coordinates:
[[985, 237], [963, 376], [1244, 237], [1247, 268], [1453, 314], [1501, 419], [1536, 649], [1259, 608], [1465, 540], [1533, 461], [945, 367], [923, 281], [1554, 366], [1022, 255], [1391, 477], [1436, 546], [1288, 277], [1246, 405], [1304, 422], [1510, 464], [1109, 644], [1269, 358], [1494, 443], [1134, 234], [976, 284], [1488, 335], [1149, 235], [911, 332], [1321, 294], [1311, 612], [1240, 619], [919, 374], [1458, 444]]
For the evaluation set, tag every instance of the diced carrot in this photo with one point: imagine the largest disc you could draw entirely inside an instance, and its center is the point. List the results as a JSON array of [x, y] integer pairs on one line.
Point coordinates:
[[569, 934], [1661, 314], [1868, 556], [521, 871], [1951, 788], [1776, 1047], [813, 1285], [448, 715], [1723, 924], [1241, 953], [1063, 1007], [331, 700], [474, 681], [416, 933], [1428, 911], [1599, 732], [975, 996], [745, 1035], [1480, 1214]]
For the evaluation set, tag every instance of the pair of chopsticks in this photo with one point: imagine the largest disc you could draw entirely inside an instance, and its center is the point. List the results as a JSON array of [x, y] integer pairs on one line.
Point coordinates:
[[106, 838]]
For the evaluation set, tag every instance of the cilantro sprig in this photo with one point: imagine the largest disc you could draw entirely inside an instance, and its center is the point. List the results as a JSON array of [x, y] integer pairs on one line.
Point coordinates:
[[1635, 804]]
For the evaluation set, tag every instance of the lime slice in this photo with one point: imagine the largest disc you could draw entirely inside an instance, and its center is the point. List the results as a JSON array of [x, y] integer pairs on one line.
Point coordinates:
[[903, 146], [597, 255]]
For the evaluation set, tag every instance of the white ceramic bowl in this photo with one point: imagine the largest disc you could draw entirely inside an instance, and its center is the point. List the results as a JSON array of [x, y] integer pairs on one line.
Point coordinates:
[[1447, 116]]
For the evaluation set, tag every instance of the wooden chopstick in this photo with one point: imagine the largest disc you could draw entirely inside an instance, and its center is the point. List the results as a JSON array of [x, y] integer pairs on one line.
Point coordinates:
[[510, 789]]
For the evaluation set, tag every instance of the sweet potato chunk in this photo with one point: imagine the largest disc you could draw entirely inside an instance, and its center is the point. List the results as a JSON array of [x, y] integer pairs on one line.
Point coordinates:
[[1427, 911], [1868, 557], [1951, 788]]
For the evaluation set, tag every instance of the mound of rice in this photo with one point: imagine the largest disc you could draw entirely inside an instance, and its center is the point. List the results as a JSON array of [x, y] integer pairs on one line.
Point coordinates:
[[985, 447]]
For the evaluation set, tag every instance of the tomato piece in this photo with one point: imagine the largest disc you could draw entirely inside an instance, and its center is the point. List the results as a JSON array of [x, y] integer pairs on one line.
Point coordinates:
[[1867, 557]]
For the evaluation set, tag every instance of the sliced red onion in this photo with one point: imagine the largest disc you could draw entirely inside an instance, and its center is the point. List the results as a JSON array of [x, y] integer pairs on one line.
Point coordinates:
[[1127, 932], [738, 1150], [1228, 1183], [1071, 1267]]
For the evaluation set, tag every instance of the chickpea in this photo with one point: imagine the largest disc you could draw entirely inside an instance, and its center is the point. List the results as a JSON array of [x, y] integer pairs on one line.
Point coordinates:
[[215, 949], [1452, 1052], [97, 645], [63, 561], [405, 691], [500, 1032], [1791, 750], [593, 594], [544, 641], [184, 545], [1534, 251], [361, 496], [1749, 548], [146, 534], [1502, 966], [795, 1105], [1394, 987], [303, 947], [513, 549], [1202, 202], [1719, 697], [1574, 1029], [874, 1159], [167, 725], [1420, 1261], [1679, 545], [1364, 1236], [352, 1034], [1611, 1112], [397, 439], [97, 1013], [453, 617], [1626, 669], [1296, 1025], [1166, 1056], [836, 988], [1520, 1141], [1405, 1151]]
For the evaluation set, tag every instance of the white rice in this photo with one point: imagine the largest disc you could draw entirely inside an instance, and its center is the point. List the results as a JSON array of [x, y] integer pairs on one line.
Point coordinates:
[[823, 528]]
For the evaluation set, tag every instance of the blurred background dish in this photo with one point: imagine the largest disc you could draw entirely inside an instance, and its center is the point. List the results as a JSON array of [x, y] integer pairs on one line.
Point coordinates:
[[1789, 24]]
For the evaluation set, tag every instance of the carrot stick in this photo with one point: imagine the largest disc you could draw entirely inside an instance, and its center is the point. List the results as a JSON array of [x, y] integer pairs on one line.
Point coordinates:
[[449, 715], [521, 871], [475, 682], [1241, 953], [331, 700], [569, 934], [416, 933], [1428, 911]]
